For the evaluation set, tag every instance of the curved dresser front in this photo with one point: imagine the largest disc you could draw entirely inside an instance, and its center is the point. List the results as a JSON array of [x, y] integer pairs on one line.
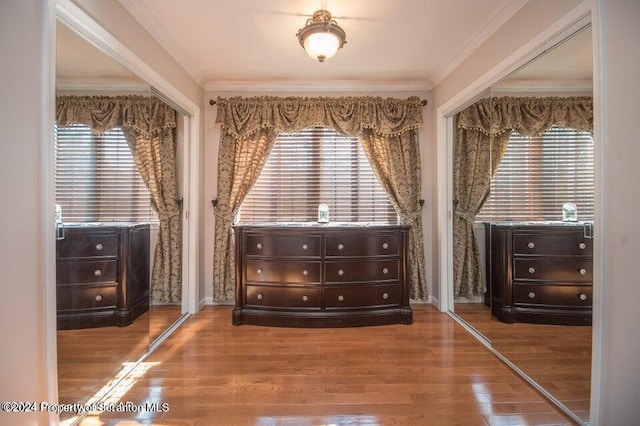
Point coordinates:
[[540, 272], [321, 276]]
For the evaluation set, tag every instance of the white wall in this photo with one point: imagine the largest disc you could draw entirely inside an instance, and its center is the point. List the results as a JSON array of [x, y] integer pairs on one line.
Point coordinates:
[[618, 89], [24, 45], [212, 141]]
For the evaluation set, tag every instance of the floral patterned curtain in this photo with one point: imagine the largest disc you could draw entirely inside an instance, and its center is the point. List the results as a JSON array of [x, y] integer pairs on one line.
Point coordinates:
[[249, 128], [148, 125], [483, 132]]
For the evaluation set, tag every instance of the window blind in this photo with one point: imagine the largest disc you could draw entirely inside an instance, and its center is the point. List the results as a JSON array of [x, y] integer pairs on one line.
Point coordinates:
[[317, 165], [539, 174], [97, 179]]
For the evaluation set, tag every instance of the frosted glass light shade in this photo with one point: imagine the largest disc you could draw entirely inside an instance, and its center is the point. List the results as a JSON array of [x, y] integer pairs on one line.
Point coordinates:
[[321, 45], [321, 37]]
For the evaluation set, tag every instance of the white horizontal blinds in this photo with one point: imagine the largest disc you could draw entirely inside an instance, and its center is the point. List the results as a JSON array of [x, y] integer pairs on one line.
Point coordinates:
[[539, 174], [317, 165], [97, 179]]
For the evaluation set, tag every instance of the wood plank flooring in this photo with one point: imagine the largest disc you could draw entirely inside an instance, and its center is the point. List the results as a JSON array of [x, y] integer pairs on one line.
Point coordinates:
[[89, 358], [558, 357], [432, 372]]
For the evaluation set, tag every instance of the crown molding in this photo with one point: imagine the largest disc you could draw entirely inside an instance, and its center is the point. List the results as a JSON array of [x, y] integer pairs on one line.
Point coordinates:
[[501, 15], [536, 86], [150, 23], [317, 86], [101, 85]]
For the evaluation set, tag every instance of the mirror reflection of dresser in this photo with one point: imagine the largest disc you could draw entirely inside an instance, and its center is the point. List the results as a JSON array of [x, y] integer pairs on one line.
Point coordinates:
[[540, 272], [535, 309], [102, 275], [106, 318]]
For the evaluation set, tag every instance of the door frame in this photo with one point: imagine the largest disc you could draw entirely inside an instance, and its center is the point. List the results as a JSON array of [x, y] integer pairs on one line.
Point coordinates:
[[86, 27], [580, 16]]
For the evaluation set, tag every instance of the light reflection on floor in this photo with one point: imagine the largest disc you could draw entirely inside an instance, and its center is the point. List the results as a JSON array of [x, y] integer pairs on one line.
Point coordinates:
[[110, 394], [325, 421]]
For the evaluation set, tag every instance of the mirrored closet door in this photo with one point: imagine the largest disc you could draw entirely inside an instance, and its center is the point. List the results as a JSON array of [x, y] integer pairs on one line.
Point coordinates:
[[523, 280], [113, 233]]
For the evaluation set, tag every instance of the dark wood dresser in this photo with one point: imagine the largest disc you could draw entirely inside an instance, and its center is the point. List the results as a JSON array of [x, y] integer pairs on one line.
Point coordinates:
[[540, 272], [102, 275], [321, 276]]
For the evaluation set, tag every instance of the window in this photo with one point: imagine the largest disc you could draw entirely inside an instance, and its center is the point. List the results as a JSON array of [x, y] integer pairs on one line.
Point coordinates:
[[317, 165], [539, 174], [97, 179]]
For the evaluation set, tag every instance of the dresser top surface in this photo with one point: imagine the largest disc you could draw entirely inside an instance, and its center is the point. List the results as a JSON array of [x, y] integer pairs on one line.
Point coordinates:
[[541, 224], [314, 226], [102, 225]]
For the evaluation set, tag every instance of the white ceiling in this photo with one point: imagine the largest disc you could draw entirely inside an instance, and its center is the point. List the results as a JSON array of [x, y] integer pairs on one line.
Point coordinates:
[[410, 44], [395, 42]]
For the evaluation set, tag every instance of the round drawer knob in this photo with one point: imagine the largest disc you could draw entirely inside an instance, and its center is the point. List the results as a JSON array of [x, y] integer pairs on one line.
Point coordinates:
[[98, 297], [583, 271], [340, 246], [340, 272], [532, 270], [259, 246], [583, 296], [259, 296], [340, 298], [582, 246], [305, 272], [98, 246], [531, 245], [531, 295], [385, 296], [305, 247], [385, 271], [259, 270], [305, 298], [385, 246], [97, 272]]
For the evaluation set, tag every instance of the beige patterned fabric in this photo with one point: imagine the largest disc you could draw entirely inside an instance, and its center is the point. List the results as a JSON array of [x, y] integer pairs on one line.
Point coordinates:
[[148, 125], [348, 115], [395, 160], [240, 161], [483, 132], [249, 128]]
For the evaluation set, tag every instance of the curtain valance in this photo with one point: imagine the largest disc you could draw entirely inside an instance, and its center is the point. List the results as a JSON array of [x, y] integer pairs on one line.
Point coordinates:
[[527, 115], [241, 116], [148, 116]]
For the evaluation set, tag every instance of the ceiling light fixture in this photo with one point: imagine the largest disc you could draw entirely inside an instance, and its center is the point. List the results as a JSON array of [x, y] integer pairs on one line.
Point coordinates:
[[321, 36]]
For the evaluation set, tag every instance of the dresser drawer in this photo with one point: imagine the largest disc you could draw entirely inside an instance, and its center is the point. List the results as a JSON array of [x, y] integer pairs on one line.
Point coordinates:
[[283, 297], [87, 245], [559, 244], [86, 297], [553, 269], [361, 271], [553, 295], [354, 244], [275, 271], [86, 271], [282, 245], [355, 296]]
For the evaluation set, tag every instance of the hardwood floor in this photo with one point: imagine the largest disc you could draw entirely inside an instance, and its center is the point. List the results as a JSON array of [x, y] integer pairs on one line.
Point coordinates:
[[558, 357], [429, 373], [89, 358]]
